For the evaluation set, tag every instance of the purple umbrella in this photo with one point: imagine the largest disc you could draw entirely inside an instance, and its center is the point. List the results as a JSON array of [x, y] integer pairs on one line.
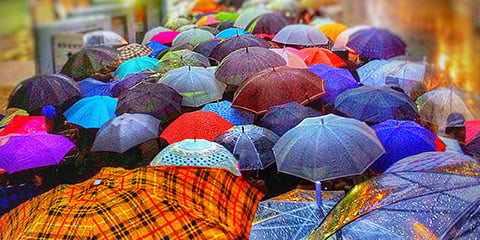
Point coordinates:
[[90, 87], [130, 80], [156, 99], [376, 44], [244, 62], [32, 151], [282, 118], [268, 23], [207, 47], [301, 35], [231, 44], [429, 161]]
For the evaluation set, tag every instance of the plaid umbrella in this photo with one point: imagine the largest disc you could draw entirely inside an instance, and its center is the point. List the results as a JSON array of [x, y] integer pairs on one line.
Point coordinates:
[[130, 51], [282, 118], [24, 125], [197, 152], [90, 62], [241, 41], [152, 32], [92, 112], [180, 58], [317, 55], [235, 116], [192, 37], [376, 44], [146, 203], [300, 34], [268, 23], [135, 65], [43, 90]]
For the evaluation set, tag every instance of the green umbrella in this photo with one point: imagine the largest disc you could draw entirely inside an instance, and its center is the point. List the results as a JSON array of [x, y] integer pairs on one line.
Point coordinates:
[[192, 37], [226, 16]]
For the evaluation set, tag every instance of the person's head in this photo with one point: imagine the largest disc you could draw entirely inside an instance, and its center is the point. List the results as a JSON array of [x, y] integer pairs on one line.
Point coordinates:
[[456, 126]]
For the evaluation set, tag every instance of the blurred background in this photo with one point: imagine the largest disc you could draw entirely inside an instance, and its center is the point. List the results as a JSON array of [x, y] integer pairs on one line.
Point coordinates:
[[445, 33]]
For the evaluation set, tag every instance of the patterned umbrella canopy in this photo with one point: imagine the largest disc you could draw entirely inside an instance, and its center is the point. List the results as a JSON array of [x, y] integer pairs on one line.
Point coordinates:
[[152, 32], [244, 62], [300, 34], [342, 38], [292, 59], [43, 90], [231, 44], [132, 50], [92, 112], [146, 203], [321, 55], [103, 38], [180, 58], [131, 80], [327, 147], [197, 152], [24, 125], [193, 37], [135, 65], [90, 61], [268, 23], [235, 116], [376, 44], [90, 87], [251, 145]]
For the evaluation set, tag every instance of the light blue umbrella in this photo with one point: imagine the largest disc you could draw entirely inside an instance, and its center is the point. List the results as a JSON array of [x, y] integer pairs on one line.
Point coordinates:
[[230, 32], [135, 65], [301, 34], [126, 131], [233, 115], [192, 37], [197, 152], [91, 87], [92, 112]]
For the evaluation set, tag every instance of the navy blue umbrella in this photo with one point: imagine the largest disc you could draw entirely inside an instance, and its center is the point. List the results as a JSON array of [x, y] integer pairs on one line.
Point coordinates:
[[376, 44], [90, 87], [233, 115], [376, 104], [13, 195], [282, 118]]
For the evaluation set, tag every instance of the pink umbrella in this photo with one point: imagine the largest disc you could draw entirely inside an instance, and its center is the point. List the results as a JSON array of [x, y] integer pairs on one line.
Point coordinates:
[[292, 59], [471, 128], [302, 55], [165, 37], [24, 125]]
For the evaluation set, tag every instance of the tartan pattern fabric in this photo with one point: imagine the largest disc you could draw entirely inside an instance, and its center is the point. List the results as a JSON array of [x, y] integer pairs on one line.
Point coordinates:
[[130, 51], [145, 203], [376, 44]]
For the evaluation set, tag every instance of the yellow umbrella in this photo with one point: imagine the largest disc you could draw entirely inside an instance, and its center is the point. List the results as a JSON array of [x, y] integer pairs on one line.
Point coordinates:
[[332, 30]]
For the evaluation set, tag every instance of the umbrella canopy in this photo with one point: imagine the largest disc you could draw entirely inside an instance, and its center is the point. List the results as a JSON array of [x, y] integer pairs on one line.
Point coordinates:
[[302, 55], [207, 47], [376, 104], [473, 147], [282, 118], [244, 62], [197, 85], [435, 105], [192, 37], [471, 129], [197, 152], [165, 37], [234, 116], [268, 23], [144, 203], [402, 139], [332, 30], [337, 81], [245, 17], [231, 32], [103, 38], [156, 47], [251, 145], [90, 87], [10, 114], [406, 205], [196, 125], [185, 28], [126, 131], [180, 58], [204, 6], [24, 125], [176, 23], [152, 32], [131, 80], [132, 50], [43, 90], [135, 65], [292, 59], [229, 45], [226, 16], [92, 112], [277, 86], [451, 145], [88, 61], [13, 195], [342, 38], [300, 34], [32, 151], [324, 56], [207, 20], [376, 44]]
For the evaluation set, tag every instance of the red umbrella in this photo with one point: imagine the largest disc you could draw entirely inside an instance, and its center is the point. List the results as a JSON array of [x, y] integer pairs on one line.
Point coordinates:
[[24, 125], [276, 86], [471, 128], [321, 55], [165, 37], [196, 125]]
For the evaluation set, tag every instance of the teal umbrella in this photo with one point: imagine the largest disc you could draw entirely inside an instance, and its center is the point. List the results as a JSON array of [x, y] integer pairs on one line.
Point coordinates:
[[135, 65], [231, 32], [92, 112]]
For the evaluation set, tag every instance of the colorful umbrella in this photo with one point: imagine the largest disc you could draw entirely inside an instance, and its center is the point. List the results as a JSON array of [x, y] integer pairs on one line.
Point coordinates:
[[92, 112], [302, 55], [268, 23], [302, 35], [197, 85], [89, 61], [244, 62], [376, 44], [43, 90], [204, 6], [402, 139], [324, 56], [332, 30], [196, 125], [251, 146], [144, 203], [292, 59], [207, 20], [24, 125], [451, 145], [180, 58], [90, 87], [234, 116], [472, 148], [33, 151], [376, 104], [157, 48], [342, 38], [231, 32], [192, 37], [126, 131], [277, 86], [135, 65], [226, 16], [231, 44], [152, 32], [10, 114], [471, 129], [131, 80], [197, 152], [282, 118], [246, 16], [165, 37], [103, 38], [327, 147], [132, 50], [156, 99], [13, 195]]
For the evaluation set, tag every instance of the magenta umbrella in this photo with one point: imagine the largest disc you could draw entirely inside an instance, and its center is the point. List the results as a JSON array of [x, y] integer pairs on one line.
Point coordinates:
[[165, 37], [33, 151]]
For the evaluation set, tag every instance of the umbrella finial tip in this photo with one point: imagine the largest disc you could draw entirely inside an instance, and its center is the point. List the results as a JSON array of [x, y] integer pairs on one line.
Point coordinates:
[[243, 128], [246, 49]]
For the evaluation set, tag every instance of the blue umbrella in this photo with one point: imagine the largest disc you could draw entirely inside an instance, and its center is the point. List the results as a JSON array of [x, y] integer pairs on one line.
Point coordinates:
[[376, 104], [233, 115], [376, 44], [251, 146], [301, 34], [231, 32], [92, 112], [402, 139], [337, 81], [91, 87], [430, 161], [126, 131], [282, 118], [157, 47], [13, 195], [135, 65]]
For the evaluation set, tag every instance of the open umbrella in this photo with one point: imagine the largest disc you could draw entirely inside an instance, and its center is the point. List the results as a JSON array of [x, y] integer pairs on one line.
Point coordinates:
[[131, 80], [376, 104], [292, 59], [234, 116], [301, 35], [376, 44], [152, 32], [157, 48], [33, 150], [92, 112], [176, 23], [135, 65], [180, 58], [195, 125], [246, 16], [244, 62], [231, 44], [197, 152], [103, 38], [472, 148], [342, 38], [24, 125], [324, 56], [401, 139], [230, 32], [197, 85], [204, 6], [188, 27], [126, 131], [90, 87], [132, 50], [251, 145], [268, 23], [13, 195], [277, 86], [226, 16], [10, 114], [165, 37], [90, 61], [471, 129], [332, 30], [192, 37], [207, 20], [207, 47], [144, 203], [282, 118], [43, 90], [156, 99]]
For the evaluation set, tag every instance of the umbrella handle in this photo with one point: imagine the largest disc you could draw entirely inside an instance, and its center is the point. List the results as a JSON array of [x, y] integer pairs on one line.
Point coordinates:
[[318, 194]]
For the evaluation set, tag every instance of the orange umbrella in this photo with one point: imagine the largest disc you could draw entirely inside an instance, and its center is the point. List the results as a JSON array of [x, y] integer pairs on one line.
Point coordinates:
[[332, 30], [204, 6], [321, 55], [196, 125], [145, 203], [207, 20]]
